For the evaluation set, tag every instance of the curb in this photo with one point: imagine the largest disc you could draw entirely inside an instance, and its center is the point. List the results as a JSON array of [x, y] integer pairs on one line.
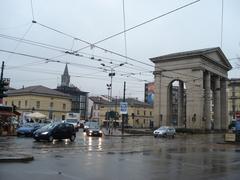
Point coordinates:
[[16, 158]]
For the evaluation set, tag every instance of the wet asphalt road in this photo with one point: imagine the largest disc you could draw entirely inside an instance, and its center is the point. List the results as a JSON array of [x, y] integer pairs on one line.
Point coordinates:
[[142, 157]]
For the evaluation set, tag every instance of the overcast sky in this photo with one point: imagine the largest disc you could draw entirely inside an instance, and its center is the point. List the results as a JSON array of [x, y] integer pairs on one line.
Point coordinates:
[[194, 27]]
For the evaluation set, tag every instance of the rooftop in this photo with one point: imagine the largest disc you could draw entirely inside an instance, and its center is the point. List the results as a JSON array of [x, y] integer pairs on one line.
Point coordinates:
[[41, 90]]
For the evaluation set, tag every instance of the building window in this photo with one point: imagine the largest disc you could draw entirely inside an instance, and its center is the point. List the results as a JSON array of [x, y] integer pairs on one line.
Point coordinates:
[[137, 112], [144, 112], [19, 104], [64, 106], [150, 113], [25, 103], [51, 104], [38, 104], [5, 103]]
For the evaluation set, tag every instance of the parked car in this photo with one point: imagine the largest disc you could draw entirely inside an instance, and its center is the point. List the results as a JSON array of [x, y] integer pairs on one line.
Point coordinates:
[[55, 131], [27, 129], [94, 130], [164, 131], [74, 122]]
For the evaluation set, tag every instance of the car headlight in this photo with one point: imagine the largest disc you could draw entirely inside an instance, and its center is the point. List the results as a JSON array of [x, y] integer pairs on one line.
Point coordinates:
[[100, 131], [44, 133], [90, 131]]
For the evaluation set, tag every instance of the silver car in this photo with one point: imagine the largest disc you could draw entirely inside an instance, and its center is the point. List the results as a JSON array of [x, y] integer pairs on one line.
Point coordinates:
[[165, 131]]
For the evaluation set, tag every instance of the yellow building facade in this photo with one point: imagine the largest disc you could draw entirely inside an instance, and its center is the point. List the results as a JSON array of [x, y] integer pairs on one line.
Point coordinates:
[[140, 114], [41, 99]]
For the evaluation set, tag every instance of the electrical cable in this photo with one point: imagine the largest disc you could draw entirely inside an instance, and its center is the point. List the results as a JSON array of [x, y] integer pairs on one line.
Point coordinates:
[[32, 10], [124, 29], [143, 23], [18, 44]]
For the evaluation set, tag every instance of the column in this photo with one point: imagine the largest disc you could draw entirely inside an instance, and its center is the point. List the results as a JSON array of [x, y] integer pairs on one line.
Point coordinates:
[[156, 105], [207, 100], [217, 105], [180, 104], [224, 105]]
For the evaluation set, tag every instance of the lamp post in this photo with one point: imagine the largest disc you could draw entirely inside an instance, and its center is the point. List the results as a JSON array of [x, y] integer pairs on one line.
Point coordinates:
[[110, 87]]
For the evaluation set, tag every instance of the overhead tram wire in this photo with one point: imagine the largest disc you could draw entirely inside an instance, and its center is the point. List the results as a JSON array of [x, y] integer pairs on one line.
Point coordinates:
[[46, 59], [62, 49], [118, 54], [56, 48], [22, 38], [32, 10], [105, 50], [120, 33], [124, 29], [141, 24]]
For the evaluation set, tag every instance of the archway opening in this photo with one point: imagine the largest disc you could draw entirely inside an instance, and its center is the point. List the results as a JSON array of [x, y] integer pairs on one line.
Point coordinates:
[[177, 104]]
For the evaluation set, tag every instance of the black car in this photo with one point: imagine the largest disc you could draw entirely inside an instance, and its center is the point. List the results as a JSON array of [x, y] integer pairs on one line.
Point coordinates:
[[94, 131], [55, 131]]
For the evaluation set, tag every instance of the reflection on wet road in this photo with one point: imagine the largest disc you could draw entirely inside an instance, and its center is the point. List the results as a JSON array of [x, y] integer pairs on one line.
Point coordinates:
[[136, 157]]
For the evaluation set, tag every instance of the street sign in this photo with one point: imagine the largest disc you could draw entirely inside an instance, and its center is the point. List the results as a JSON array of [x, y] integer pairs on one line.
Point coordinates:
[[123, 107]]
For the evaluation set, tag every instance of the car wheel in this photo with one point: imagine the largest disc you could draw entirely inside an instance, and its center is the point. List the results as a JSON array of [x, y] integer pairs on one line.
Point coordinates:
[[37, 140], [164, 135], [72, 138], [155, 136], [50, 139]]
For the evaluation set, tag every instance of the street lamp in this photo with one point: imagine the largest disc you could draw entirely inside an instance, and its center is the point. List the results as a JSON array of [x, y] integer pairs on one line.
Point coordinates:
[[111, 74], [109, 86]]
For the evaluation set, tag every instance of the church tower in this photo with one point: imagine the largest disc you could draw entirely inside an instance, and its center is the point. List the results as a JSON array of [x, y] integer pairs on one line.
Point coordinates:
[[65, 77]]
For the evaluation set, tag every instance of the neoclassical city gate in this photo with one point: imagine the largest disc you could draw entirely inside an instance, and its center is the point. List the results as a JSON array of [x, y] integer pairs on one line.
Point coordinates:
[[202, 82]]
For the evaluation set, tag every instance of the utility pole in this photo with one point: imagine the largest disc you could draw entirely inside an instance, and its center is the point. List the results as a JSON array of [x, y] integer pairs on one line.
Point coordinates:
[[4, 85], [123, 115]]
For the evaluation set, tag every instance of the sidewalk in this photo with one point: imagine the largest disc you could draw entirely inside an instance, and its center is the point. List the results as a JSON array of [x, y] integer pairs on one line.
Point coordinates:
[[9, 157]]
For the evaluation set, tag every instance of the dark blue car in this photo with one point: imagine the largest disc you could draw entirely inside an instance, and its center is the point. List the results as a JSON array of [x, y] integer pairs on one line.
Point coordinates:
[[27, 129]]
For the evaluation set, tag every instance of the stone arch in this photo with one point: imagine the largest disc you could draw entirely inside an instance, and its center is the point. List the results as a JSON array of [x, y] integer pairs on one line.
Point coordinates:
[[177, 103], [203, 71]]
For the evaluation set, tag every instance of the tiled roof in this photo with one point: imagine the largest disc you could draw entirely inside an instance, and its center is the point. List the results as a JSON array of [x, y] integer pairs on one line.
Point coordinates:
[[41, 90]]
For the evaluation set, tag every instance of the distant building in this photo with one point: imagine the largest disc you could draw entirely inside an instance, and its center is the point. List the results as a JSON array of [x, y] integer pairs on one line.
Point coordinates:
[[94, 104], [234, 98], [52, 103], [140, 114], [79, 98]]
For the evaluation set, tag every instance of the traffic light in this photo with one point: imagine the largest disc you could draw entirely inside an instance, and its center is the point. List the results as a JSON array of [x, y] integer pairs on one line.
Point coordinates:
[[4, 85]]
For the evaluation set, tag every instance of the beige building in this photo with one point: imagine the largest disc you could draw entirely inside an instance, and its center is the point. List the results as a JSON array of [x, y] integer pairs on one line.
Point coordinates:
[[50, 102], [234, 98], [140, 114]]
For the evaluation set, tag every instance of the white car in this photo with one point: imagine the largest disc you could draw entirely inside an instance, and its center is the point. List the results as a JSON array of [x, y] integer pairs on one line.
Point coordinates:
[[164, 131], [74, 122]]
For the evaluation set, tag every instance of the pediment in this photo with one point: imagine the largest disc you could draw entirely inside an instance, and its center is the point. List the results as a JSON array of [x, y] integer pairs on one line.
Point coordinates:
[[218, 57]]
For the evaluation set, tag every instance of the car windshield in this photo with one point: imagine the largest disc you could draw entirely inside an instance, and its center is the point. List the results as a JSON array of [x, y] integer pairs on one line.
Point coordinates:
[[72, 120], [49, 126], [162, 128], [29, 125]]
